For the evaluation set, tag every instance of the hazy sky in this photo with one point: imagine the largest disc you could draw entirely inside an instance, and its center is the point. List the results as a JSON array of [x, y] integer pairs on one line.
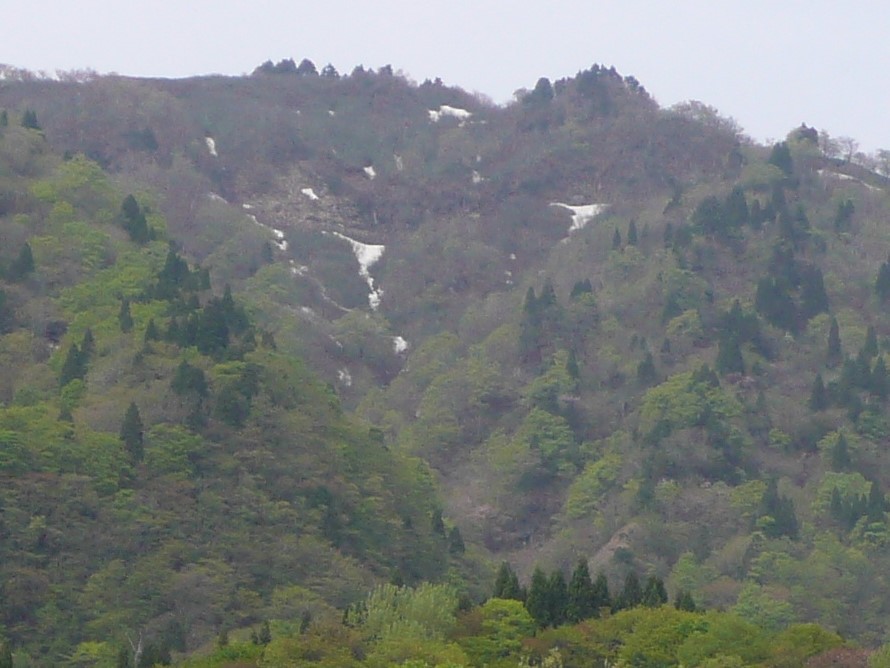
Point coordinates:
[[770, 64]]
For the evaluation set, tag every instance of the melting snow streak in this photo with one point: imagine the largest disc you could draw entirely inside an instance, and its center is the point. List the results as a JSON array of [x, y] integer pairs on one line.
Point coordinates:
[[367, 255], [211, 146], [460, 114], [581, 215]]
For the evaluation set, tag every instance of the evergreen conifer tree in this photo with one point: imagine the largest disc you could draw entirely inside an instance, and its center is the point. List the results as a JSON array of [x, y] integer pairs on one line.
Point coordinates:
[[455, 541], [131, 433], [73, 367], [818, 395], [834, 343], [581, 595], [879, 384], [558, 598], [632, 234], [616, 240], [537, 601], [22, 265], [877, 504], [871, 343], [87, 345], [882, 283], [601, 596], [124, 319], [654, 594], [840, 454], [646, 373], [506, 583], [632, 594], [684, 601], [4, 118], [729, 356]]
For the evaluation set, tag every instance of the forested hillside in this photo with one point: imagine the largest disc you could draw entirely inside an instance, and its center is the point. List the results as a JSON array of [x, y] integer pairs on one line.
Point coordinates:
[[271, 341]]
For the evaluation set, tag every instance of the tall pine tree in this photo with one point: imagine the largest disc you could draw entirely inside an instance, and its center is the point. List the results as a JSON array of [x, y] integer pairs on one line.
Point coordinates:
[[582, 597]]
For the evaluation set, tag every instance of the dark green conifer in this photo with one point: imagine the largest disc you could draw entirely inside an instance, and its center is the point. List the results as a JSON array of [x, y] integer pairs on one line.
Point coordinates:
[[87, 345], [818, 395], [729, 356], [879, 384], [632, 234], [538, 600], [684, 600], [654, 594], [616, 240], [124, 319], [601, 596], [506, 584], [781, 158], [581, 595], [834, 343], [4, 119], [437, 523], [151, 331], [840, 454], [558, 598], [882, 283], [73, 367], [131, 433], [632, 594], [22, 265], [871, 343], [455, 541], [646, 372]]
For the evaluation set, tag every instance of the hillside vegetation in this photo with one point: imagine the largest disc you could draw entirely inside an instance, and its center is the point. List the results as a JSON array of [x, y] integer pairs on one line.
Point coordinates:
[[271, 341]]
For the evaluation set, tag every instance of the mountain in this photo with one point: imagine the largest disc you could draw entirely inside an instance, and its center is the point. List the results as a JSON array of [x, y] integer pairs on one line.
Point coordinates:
[[579, 326]]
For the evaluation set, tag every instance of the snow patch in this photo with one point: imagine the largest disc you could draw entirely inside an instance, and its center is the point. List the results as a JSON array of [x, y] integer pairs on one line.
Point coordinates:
[[369, 170], [445, 110], [217, 198], [345, 377], [331, 112], [211, 146], [310, 193], [399, 345], [398, 160], [367, 255], [583, 214], [846, 177], [246, 207], [477, 177]]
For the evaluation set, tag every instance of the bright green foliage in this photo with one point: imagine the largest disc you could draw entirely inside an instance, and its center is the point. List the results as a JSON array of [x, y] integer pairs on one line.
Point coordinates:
[[720, 634], [757, 605], [424, 613], [551, 437], [504, 624]]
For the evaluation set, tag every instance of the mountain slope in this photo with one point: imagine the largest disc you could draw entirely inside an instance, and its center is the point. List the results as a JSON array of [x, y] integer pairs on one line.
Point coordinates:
[[602, 324]]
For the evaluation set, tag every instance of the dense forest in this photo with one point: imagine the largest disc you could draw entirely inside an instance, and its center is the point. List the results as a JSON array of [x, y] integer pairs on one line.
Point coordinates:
[[310, 368]]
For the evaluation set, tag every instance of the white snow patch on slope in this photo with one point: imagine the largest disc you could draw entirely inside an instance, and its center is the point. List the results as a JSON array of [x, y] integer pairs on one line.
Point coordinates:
[[217, 198], [398, 160], [331, 112], [445, 110], [211, 146], [246, 206], [367, 255], [583, 214], [345, 377], [399, 345], [477, 177], [846, 177], [310, 193], [369, 170]]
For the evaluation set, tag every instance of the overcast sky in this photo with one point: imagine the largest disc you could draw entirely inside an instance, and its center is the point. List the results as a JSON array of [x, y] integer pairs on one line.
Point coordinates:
[[770, 64]]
